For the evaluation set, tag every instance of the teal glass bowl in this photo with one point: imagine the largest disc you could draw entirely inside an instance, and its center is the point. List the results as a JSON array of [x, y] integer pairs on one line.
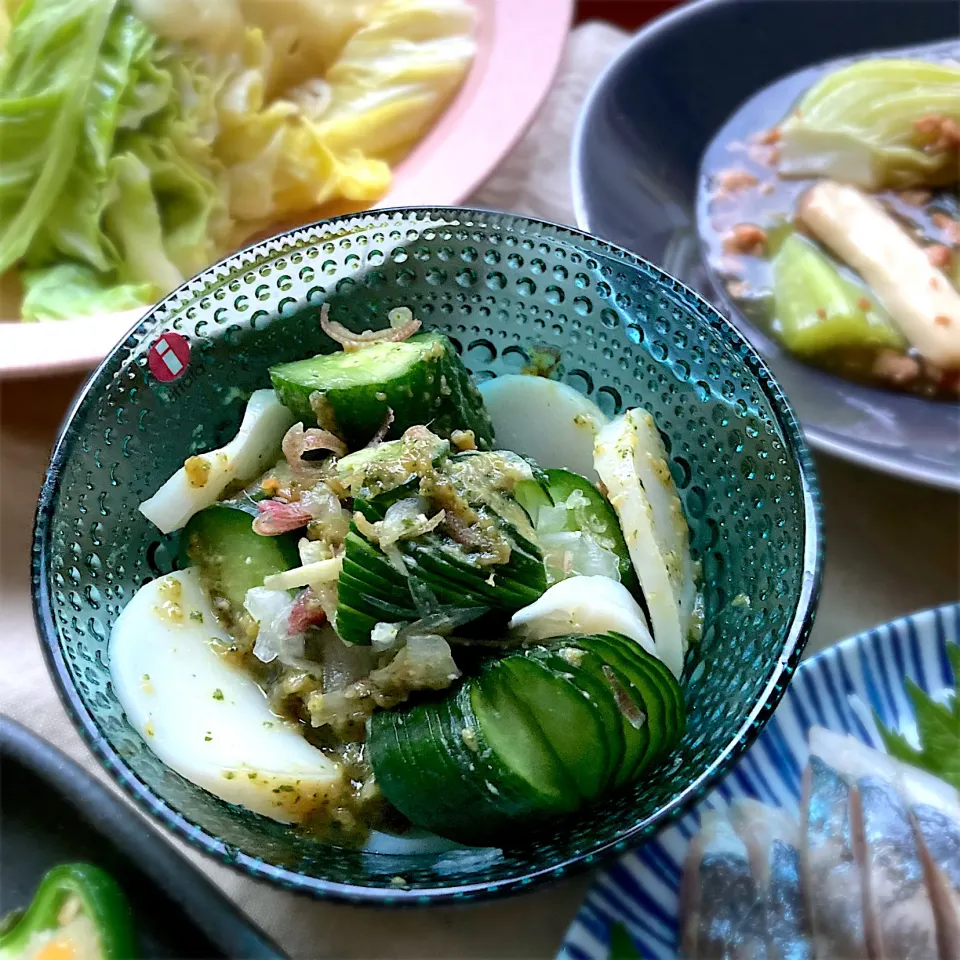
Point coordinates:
[[497, 284]]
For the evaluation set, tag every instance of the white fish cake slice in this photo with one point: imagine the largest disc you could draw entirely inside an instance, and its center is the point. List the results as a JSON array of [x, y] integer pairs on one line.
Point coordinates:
[[632, 464]]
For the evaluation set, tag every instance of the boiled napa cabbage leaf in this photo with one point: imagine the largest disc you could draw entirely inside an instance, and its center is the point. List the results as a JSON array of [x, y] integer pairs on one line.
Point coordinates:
[[133, 194], [276, 160], [858, 125], [70, 289], [73, 229], [396, 74], [50, 64], [144, 138]]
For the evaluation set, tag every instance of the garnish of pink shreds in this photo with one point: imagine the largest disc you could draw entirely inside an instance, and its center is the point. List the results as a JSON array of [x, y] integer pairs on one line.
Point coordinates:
[[276, 517], [306, 612]]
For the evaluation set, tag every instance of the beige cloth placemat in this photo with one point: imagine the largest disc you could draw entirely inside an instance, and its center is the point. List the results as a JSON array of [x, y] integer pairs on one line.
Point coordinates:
[[893, 548]]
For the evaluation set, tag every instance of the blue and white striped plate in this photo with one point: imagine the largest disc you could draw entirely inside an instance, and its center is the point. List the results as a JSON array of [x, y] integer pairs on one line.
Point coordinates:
[[839, 689]]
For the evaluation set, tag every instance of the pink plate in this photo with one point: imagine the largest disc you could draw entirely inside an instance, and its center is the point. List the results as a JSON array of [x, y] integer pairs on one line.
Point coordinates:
[[519, 45]]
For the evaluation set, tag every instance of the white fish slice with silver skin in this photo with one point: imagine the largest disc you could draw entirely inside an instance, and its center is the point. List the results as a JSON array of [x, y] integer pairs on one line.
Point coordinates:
[[832, 878], [900, 920], [937, 828], [202, 480], [772, 838], [632, 464], [899, 916], [724, 910]]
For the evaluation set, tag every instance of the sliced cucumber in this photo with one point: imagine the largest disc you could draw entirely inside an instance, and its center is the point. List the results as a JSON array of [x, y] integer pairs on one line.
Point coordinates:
[[422, 380], [232, 559], [667, 684], [535, 734], [373, 590], [585, 671], [412, 764], [379, 469], [652, 687], [512, 734], [569, 721], [619, 679]]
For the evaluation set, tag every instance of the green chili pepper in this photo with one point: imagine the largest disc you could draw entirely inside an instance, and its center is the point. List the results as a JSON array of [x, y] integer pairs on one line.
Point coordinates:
[[99, 898]]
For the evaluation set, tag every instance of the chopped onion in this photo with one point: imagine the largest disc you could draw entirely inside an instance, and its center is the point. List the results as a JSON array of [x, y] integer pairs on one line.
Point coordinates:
[[326, 510], [343, 664], [357, 341], [570, 554], [384, 636], [271, 610], [406, 520], [313, 551], [425, 663]]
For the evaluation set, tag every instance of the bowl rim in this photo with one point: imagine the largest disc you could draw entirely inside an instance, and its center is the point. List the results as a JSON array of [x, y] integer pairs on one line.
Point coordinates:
[[938, 476], [148, 802]]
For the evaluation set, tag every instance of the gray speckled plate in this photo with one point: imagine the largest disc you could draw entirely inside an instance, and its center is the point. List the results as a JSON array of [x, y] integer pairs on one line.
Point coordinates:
[[636, 161]]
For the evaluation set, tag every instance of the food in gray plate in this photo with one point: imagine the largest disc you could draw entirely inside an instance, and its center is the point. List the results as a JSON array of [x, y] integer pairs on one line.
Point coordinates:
[[837, 229]]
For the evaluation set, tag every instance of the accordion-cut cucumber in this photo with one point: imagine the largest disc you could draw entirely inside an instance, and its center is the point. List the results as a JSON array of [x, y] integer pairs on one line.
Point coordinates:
[[422, 380], [538, 733], [372, 590]]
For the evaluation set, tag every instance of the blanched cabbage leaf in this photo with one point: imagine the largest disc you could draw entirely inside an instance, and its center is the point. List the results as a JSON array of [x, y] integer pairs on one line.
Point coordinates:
[[396, 74], [70, 289], [858, 125], [134, 221], [72, 229], [277, 163], [133, 193], [51, 61], [141, 138]]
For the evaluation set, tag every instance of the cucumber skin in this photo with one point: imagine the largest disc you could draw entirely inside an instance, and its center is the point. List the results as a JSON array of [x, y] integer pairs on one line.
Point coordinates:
[[469, 795], [415, 396], [220, 538], [562, 483], [369, 583]]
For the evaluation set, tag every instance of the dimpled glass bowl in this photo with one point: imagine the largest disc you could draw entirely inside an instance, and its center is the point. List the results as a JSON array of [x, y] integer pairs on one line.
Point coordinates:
[[497, 285]]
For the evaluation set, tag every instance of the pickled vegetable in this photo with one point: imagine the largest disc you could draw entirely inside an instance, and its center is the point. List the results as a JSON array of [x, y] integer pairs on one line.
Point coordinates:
[[421, 381], [542, 731], [819, 310]]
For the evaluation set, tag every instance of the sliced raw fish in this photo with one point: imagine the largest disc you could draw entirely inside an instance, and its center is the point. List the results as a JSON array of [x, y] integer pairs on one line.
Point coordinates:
[[900, 923], [938, 833], [831, 876], [729, 911], [690, 899], [897, 902], [772, 837]]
